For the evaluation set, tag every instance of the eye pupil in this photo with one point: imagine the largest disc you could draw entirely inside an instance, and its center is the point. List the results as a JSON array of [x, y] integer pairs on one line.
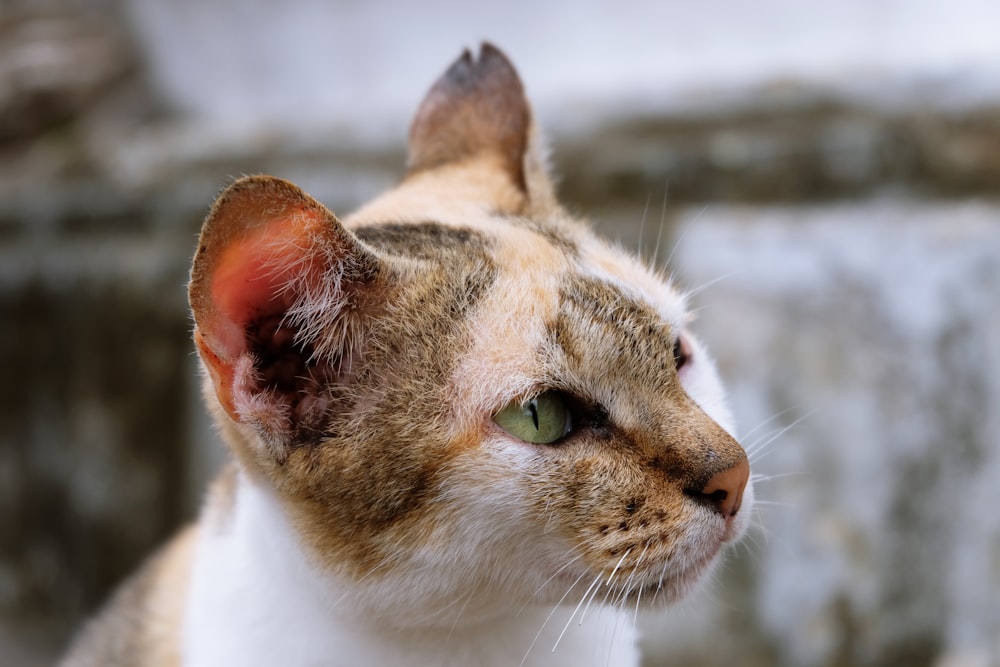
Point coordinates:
[[543, 420]]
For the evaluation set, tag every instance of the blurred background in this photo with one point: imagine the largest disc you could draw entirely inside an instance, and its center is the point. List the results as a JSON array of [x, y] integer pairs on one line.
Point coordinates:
[[825, 175]]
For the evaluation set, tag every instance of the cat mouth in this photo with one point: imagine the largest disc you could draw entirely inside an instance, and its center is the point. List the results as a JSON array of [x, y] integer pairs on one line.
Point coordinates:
[[667, 581], [652, 585], [648, 576], [653, 589]]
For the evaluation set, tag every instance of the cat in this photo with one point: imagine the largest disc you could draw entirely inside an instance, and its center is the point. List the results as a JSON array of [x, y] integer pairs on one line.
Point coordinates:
[[464, 429]]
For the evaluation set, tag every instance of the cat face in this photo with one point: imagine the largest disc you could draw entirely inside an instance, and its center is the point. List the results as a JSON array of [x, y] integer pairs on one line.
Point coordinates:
[[459, 392]]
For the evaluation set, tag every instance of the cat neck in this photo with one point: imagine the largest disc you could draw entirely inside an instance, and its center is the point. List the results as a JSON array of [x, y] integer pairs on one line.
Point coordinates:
[[255, 599]]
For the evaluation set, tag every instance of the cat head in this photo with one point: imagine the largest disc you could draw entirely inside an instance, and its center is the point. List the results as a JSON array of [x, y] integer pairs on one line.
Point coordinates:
[[459, 390]]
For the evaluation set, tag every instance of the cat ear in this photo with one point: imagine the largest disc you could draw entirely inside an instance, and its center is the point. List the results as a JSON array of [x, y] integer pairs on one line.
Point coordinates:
[[478, 109], [279, 291]]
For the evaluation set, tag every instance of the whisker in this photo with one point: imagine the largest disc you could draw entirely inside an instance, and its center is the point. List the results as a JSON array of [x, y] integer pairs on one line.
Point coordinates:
[[635, 614], [569, 621], [592, 596], [704, 286], [696, 312], [614, 629], [773, 503], [626, 587], [611, 589], [677, 243], [607, 583], [554, 575], [663, 218], [642, 222], [757, 478], [548, 618], [758, 522], [766, 422], [659, 583], [747, 545], [772, 540], [620, 561], [755, 450], [368, 574], [461, 613]]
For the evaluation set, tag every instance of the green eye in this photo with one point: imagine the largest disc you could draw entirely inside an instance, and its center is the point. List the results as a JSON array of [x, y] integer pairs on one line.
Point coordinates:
[[542, 420]]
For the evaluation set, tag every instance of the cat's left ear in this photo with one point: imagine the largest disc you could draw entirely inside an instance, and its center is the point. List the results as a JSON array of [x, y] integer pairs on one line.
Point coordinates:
[[478, 111]]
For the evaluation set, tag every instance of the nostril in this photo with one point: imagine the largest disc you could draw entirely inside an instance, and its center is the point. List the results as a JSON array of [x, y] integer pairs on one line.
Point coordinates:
[[716, 498], [723, 492]]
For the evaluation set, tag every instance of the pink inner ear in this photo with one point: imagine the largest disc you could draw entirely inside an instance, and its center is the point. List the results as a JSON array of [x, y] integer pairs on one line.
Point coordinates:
[[250, 280]]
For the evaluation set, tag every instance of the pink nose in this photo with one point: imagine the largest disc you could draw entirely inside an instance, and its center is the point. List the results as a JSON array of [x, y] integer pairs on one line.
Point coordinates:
[[724, 490]]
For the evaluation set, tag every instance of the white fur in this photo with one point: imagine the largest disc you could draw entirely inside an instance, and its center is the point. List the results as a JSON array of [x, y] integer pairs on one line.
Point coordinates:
[[255, 600]]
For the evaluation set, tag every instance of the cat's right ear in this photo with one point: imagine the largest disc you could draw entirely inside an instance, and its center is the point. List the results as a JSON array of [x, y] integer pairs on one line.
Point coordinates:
[[280, 292]]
